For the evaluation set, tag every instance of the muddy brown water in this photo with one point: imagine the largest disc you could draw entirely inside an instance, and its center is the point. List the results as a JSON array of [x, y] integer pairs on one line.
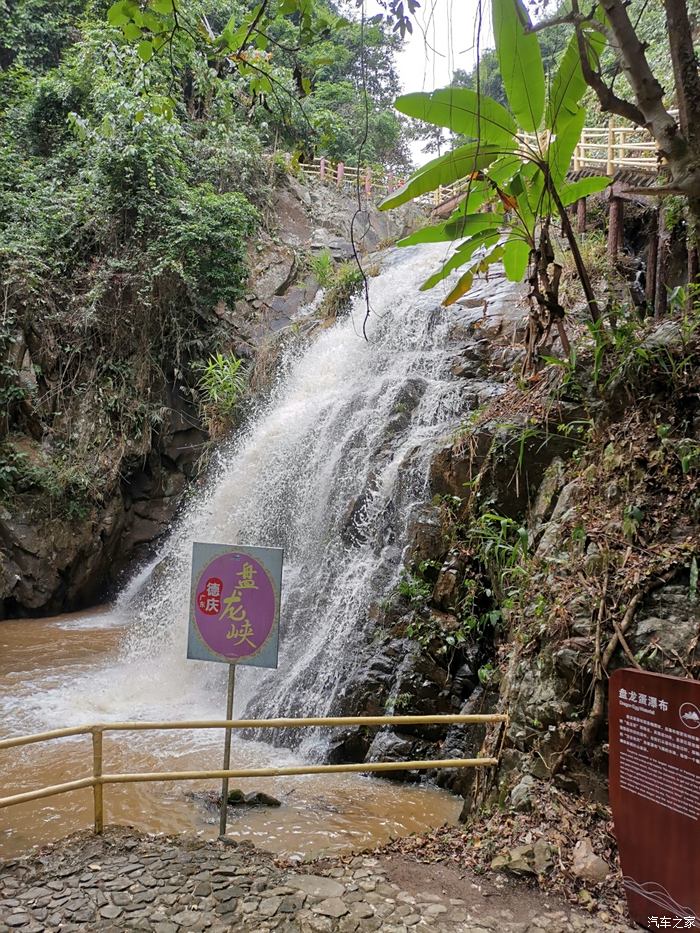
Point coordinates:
[[66, 671]]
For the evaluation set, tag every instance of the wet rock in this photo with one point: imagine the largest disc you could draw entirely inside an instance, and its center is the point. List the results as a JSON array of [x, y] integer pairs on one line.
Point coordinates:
[[349, 744], [549, 547], [465, 742], [502, 463], [670, 620], [261, 799], [446, 590], [546, 498], [391, 746], [424, 535]]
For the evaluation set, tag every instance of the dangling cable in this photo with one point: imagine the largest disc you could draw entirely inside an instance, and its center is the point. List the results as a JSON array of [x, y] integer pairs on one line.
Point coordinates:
[[358, 190]]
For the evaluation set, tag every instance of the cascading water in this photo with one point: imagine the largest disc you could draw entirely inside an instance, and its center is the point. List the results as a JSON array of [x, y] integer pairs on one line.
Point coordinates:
[[331, 469]]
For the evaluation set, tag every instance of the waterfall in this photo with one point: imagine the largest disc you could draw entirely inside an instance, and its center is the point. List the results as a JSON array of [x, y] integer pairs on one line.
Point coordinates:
[[331, 469]]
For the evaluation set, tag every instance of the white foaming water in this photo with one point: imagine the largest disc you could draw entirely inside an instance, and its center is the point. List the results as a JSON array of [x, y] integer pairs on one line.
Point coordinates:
[[330, 470]]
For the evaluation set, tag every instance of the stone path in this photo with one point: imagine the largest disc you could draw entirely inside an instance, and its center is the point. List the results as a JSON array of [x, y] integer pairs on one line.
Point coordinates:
[[126, 881]]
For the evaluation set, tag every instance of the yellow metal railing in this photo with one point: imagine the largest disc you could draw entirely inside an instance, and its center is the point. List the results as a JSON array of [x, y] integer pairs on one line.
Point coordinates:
[[99, 778]]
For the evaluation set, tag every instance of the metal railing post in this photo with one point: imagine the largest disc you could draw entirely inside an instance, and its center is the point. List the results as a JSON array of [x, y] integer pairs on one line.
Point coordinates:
[[97, 787]]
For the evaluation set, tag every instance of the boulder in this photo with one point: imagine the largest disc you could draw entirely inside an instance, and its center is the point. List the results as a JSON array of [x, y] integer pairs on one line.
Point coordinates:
[[391, 746], [258, 798], [521, 795], [588, 866]]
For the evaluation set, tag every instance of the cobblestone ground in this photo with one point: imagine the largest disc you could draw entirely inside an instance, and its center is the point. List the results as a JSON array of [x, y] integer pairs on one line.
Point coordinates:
[[126, 881]]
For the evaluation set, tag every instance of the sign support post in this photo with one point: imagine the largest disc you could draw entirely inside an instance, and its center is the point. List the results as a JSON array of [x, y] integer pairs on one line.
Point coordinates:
[[234, 618], [223, 813]]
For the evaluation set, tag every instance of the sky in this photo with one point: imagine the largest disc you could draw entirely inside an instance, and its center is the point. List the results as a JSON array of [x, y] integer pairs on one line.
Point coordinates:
[[444, 39]]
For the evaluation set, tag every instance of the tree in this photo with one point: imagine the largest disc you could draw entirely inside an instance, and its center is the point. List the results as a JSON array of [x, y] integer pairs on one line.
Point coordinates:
[[678, 140]]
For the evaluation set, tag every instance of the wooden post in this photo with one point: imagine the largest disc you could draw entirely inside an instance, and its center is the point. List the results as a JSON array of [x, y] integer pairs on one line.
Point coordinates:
[[615, 223], [581, 215], [97, 776], [322, 169], [390, 182], [368, 181], [223, 812], [610, 168], [340, 173]]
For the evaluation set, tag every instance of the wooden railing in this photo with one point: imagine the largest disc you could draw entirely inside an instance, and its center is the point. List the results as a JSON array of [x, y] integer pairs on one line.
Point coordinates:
[[605, 149]]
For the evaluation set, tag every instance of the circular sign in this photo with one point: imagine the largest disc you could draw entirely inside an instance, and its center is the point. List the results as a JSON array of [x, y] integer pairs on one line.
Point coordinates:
[[690, 715], [234, 606]]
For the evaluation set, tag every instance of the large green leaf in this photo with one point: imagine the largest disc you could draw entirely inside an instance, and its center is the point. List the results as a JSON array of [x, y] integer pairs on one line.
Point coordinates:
[[527, 187], [467, 280], [582, 188], [477, 193], [463, 111], [520, 63], [504, 168], [457, 229], [516, 253], [562, 148], [462, 254], [453, 166], [568, 84]]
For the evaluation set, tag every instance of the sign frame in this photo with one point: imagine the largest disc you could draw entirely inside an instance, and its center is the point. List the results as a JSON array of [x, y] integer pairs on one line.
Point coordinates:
[[201, 645]]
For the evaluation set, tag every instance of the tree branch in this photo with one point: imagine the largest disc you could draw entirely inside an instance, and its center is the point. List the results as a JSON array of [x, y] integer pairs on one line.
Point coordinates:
[[609, 101]]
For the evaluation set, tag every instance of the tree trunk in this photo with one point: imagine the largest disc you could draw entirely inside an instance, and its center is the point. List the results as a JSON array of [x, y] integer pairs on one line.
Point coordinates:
[[662, 267], [615, 221], [685, 69], [652, 259]]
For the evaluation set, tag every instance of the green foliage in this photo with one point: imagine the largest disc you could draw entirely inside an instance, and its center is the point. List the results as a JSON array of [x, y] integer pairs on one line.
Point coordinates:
[[63, 488], [206, 243], [321, 265], [502, 545], [298, 60], [222, 382], [413, 588], [342, 284], [523, 181], [520, 63]]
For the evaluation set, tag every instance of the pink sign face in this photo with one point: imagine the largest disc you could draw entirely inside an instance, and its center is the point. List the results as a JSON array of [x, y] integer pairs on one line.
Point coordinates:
[[234, 606]]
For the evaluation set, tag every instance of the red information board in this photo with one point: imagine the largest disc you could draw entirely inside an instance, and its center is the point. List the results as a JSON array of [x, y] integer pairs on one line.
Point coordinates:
[[655, 795]]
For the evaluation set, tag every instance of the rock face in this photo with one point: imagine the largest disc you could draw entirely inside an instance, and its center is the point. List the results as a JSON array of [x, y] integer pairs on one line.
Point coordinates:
[[59, 559]]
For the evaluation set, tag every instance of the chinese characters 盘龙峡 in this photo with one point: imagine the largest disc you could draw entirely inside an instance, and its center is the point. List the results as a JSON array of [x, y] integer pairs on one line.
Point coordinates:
[[234, 612]]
